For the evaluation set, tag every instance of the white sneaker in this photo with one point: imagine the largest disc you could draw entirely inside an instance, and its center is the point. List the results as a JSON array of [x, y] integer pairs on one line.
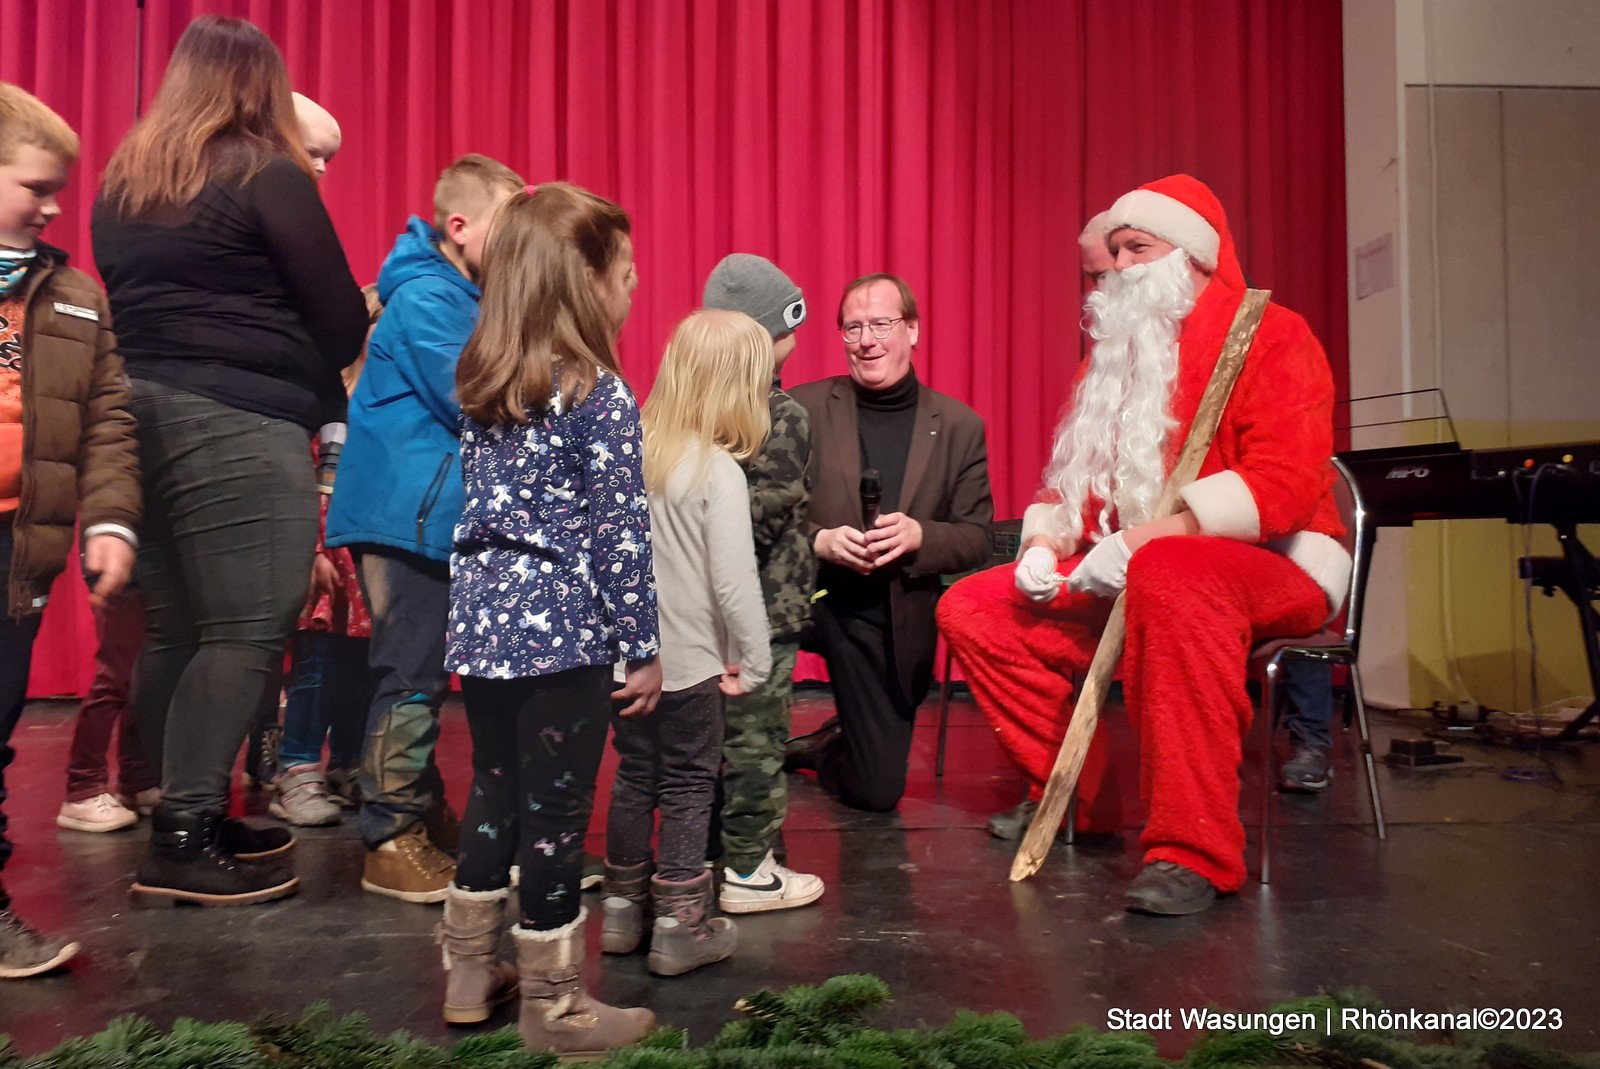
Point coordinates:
[[771, 886], [303, 798], [100, 813]]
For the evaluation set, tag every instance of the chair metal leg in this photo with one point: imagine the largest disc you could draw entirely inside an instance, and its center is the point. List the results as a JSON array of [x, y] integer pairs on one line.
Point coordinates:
[[944, 715], [1071, 832], [1267, 714], [1366, 752]]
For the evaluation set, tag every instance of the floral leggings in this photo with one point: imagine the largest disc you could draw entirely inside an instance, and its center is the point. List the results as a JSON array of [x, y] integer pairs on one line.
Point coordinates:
[[536, 748]]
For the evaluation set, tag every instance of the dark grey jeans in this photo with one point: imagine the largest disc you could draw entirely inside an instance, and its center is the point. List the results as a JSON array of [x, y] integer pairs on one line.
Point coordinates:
[[409, 598], [224, 560], [669, 761]]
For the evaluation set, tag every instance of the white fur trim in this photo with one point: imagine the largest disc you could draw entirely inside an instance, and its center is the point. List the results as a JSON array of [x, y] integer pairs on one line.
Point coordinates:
[[478, 896], [554, 935], [1036, 520], [1322, 558], [1169, 219], [1096, 227], [1224, 506]]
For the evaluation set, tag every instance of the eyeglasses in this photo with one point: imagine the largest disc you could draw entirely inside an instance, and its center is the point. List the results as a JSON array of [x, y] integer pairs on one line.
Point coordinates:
[[881, 329]]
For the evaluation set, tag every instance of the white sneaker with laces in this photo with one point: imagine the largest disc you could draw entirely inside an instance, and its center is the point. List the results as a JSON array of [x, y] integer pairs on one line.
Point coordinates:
[[771, 886], [100, 813]]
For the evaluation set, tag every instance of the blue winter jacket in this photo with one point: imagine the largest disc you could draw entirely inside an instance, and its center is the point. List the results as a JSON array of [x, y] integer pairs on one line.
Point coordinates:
[[399, 481]]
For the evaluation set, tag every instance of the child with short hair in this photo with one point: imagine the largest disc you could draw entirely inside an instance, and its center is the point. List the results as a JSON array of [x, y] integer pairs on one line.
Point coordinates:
[[755, 788], [706, 413], [67, 444], [397, 498], [551, 585]]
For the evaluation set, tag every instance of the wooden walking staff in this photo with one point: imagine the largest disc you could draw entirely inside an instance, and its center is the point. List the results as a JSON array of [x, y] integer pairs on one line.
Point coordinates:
[[1069, 762]]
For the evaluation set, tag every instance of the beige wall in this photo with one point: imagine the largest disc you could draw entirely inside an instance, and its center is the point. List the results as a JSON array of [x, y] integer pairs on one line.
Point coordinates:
[[1495, 191]]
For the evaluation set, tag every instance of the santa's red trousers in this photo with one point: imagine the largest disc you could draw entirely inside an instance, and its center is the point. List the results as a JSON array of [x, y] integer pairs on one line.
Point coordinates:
[[1196, 606]]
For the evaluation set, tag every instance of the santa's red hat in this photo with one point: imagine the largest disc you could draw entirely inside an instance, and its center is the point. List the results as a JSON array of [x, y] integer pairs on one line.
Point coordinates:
[[1183, 210]]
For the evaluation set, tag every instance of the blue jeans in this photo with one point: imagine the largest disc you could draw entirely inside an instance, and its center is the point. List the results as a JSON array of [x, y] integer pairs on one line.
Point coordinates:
[[330, 692], [1309, 688], [230, 527], [16, 656]]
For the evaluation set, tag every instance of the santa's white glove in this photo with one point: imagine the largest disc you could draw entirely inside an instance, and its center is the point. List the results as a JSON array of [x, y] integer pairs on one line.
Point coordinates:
[[1037, 577], [1103, 571]]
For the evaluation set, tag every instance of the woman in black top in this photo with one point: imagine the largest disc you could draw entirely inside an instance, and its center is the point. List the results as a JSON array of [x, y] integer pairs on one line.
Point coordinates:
[[234, 309]]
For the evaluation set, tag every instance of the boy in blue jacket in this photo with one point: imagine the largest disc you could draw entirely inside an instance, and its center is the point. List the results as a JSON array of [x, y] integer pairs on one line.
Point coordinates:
[[395, 505]]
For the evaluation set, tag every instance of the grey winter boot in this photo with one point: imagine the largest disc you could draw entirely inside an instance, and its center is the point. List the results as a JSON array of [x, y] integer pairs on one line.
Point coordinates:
[[625, 902], [476, 979], [557, 1014], [685, 935]]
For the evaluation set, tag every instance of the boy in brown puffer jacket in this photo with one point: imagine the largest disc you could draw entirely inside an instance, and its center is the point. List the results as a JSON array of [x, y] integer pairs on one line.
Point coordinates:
[[67, 441]]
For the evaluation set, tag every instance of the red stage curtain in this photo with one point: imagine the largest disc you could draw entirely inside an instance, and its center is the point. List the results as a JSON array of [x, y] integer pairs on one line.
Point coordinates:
[[960, 144]]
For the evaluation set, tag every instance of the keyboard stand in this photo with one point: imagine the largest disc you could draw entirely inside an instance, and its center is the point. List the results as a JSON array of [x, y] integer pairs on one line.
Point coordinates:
[[1576, 574]]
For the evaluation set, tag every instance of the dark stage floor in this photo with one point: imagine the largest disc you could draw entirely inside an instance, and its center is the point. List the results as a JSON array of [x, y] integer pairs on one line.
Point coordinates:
[[1483, 896]]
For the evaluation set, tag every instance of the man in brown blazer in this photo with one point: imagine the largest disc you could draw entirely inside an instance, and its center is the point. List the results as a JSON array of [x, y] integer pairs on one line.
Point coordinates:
[[874, 621]]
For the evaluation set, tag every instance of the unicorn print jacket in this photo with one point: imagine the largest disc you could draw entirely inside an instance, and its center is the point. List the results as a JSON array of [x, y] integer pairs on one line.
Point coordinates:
[[552, 566]]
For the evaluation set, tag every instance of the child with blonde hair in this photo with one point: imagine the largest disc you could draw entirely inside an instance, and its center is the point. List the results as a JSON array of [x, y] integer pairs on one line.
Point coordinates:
[[706, 413]]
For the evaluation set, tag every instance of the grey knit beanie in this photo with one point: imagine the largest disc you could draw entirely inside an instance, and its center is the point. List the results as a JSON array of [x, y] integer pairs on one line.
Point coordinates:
[[754, 285]]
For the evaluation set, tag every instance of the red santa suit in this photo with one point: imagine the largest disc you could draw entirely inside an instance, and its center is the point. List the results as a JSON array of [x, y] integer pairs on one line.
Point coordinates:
[[1267, 563]]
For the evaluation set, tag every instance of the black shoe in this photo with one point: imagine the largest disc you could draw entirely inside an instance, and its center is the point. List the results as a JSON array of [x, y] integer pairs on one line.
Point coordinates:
[[25, 952], [187, 863], [1308, 769], [1013, 823], [1166, 889], [803, 751], [246, 842]]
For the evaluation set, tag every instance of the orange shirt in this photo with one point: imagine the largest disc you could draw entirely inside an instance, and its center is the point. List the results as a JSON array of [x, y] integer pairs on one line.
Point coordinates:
[[11, 315]]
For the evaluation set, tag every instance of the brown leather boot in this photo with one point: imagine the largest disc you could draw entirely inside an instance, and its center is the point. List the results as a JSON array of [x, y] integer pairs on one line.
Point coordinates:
[[625, 905], [557, 1014], [477, 980], [685, 935]]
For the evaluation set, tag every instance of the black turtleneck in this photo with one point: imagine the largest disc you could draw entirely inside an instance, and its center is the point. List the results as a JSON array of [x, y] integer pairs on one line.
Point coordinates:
[[884, 420]]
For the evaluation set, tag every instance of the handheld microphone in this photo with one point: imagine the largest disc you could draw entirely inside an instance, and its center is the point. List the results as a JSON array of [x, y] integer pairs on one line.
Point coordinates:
[[871, 497]]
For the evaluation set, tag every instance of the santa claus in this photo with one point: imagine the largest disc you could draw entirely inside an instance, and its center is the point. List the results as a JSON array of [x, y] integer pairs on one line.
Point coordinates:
[[1253, 554]]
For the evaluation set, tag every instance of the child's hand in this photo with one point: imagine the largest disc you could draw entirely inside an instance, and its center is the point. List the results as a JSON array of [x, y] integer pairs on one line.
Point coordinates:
[[729, 683], [110, 559], [642, 689], [324, 577]]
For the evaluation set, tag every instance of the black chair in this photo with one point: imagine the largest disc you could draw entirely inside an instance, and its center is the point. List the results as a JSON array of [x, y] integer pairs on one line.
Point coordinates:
[[1337, 644]]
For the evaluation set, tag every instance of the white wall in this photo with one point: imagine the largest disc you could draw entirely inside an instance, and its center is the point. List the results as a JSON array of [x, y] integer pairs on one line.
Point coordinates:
[[1473, 137]]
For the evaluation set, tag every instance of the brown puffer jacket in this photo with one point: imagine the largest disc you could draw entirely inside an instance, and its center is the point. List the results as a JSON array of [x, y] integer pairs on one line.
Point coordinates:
[[78, 437]]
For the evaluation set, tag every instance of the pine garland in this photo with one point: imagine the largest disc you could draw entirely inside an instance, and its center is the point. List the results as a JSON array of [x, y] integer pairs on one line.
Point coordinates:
[[821, 1027]]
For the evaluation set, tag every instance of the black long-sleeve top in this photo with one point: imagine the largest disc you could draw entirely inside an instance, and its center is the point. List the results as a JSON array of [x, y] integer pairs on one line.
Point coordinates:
[[244, 296]]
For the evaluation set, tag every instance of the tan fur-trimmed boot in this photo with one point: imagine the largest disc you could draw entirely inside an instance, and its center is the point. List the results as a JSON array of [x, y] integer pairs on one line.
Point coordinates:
[[557, 1013], [625, 906], [476, 980], [686, 935]]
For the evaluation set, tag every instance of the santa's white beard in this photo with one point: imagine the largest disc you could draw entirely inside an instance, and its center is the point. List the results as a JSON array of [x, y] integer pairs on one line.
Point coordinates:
[[1110, 446]]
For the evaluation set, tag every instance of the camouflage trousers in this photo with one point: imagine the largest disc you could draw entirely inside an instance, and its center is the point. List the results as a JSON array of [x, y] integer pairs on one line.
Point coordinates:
[[756, 793]]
